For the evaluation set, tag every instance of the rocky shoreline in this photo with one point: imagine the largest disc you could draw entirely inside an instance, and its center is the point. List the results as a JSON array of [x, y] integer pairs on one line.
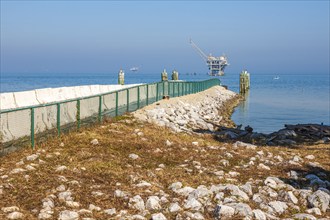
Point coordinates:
[[203, 111], [211, 115]]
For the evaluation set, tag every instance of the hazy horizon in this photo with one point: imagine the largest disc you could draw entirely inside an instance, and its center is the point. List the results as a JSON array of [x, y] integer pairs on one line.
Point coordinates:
[[101, 37]]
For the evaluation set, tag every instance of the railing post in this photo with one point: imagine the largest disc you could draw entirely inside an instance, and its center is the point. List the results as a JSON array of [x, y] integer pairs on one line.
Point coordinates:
[[58, 119], [138, 97], [100, 109], [116, 111], [127, 100], [78, 113], [157, 92], [163, 88], [147, 94], [32, 128], [175, 92], [185, 89], [180, 89]]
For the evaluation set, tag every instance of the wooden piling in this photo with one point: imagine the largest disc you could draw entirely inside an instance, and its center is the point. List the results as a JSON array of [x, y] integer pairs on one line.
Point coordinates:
[[244, 81]]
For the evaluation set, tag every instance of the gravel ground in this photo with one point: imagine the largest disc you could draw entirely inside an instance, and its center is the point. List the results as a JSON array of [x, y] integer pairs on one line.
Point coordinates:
[[132, 169]]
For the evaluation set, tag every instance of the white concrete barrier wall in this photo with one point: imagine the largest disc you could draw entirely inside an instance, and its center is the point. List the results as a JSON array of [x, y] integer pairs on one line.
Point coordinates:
[[109, 101], [8, 100], [143, 93], [48, 95], [68, 113], [45, 118], [17, 124], [26, 98], [122, 98], [89, 107], [152, 91]]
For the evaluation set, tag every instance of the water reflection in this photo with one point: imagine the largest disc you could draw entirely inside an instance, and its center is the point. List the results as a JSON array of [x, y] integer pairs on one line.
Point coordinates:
[[243, 108]]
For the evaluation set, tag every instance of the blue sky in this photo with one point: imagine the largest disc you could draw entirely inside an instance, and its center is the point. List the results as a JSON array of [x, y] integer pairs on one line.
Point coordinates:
[[104, 36]]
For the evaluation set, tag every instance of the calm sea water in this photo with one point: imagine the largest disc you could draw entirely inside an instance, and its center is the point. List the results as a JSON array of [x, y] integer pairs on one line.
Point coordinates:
[[270, 103]]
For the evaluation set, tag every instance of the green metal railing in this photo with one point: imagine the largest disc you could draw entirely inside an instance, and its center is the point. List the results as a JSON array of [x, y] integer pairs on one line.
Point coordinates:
[[145, 94]]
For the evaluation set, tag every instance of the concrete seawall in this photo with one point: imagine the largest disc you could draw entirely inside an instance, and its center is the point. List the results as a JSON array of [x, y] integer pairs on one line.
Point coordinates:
[[14, 100], [17, 124]]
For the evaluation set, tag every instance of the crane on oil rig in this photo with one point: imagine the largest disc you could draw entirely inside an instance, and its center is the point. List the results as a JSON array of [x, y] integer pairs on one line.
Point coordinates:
[[216, 65]]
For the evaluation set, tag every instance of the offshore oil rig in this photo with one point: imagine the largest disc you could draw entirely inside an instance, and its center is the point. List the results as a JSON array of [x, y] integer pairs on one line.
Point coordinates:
[[216, 65]]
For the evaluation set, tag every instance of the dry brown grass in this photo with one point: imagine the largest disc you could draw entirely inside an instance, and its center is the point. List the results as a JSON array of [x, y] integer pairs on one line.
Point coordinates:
[[106, 167]]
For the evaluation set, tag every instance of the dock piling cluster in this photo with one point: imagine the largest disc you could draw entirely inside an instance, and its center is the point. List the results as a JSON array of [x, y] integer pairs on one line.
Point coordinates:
[[244, 82]]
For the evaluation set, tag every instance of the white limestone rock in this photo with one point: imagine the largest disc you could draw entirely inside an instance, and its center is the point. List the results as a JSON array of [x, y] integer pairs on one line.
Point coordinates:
[[60, 188], [97, 193], [274, 182], [30, 168], [17, 170], [65, 196], [47, 203], [94, 142], [247, 188], [193, 204], [195, 143], [143, 184], [193, 216], [15, 215], [20, 163], [201, 193], [235, 191], [32, 157], [110, 211], [120, 194], [68, 215], [45, 215], [9, 209], [315, 211], [133, 156], [278, 206], [258, 214], [93, 207], [153, 203], [136, 203], [239, 144], [310, 157], [85, 212], [168, 143], [184, 191], [60, 168], [233, 173], [174, 207], [319, 199], [263, 166], [223, 211], [158, 216], [292, 197], [241, 209], [303, 216]]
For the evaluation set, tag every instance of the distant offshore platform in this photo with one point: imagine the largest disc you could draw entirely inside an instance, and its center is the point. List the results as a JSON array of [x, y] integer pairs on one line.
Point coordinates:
[[216, 65]]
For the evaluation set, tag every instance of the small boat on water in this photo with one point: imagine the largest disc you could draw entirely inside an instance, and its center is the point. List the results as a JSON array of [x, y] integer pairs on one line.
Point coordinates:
[[276, 78], [134, 69]]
